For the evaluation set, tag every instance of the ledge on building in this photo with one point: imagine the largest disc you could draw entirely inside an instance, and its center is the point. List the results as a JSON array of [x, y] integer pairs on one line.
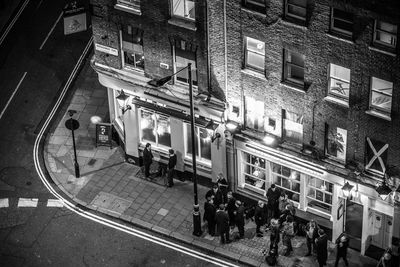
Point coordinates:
[[339, 37], [129, 9], [183, 23], [378, 114], [253, 9], [254, 74], [337, 101], [295, 23], [376, 49], [295, 87]]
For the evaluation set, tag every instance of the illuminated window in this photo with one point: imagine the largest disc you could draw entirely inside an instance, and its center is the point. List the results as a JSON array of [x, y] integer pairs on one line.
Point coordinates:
[[155, 128], [339, 81], [336, 141], [342, 22], [254, 114], [296, 9], [202, 143], [132, 48], [183, 8], [385, 34], [287, 179], [182, 58], [292, 127], [381, 95], [294, 67], [319, 195], [254, 172], [254, 54]]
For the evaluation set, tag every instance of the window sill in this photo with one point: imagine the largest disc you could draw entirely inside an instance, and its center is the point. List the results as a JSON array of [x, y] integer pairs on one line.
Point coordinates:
[[378, 114], [334, 161], [336, 37], [337, 101], [319, 213], [134, 70], [295, 23], [381, 51], [254, 74], [128, 9], [183, 23], [294, 87], [259, 11]]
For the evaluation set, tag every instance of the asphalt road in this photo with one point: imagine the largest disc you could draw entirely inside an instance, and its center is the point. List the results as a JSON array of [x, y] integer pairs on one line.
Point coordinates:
[[36, 59]]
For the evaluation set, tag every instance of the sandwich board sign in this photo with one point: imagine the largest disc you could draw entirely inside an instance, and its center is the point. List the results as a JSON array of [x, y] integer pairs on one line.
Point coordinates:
[[74, 19]]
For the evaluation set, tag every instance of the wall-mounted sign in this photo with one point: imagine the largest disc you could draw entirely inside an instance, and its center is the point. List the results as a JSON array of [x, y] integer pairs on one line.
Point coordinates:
[[103, 134], [74, 19], [106, 49]]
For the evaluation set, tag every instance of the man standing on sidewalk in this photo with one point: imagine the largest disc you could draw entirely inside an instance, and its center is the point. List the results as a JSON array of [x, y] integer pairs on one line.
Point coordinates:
[[171, 167], [321, 245], [222, 220], [147, 159]]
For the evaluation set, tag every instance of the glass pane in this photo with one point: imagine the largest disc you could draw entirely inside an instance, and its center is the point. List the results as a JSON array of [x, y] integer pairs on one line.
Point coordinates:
[[296, 73], [329, 187], [190, 10], [255, 60], [387, 27], [189, 140], [386, 38], [205, 144], [311, 181], [164, 131], [178, 7], [339, 72], [342, 15], [285, 171], [294, 197], [328, 198], [276, 168], [139, 61], [296, 59], [339, 88], [255, 46], [296, 187], [285, 183], [311, 192], [343, 25], [147, 124], [319, 195]]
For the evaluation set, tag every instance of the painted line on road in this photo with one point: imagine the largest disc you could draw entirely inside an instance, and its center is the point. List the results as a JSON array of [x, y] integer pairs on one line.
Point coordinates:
[[104, 221], [55, 203], [27, 202], [13, 21], [4, 203], [9, 100], [51, 30]]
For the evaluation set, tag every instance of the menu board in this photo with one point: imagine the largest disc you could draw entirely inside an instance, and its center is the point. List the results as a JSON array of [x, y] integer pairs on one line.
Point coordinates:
[[103, 134]]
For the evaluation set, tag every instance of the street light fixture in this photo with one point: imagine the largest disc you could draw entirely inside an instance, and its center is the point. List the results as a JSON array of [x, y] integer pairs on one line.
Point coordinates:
[[122, 100], [196, 211], [383, 190], [346, 189]]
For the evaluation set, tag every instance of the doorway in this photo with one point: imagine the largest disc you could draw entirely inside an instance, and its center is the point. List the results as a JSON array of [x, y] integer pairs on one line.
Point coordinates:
[[353, 223], [382, 225]]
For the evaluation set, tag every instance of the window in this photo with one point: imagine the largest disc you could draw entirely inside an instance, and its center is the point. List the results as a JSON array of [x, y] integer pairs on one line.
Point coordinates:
[[182, 58], [254, 54], [254, 114], [292, 127], [134, 4], [155, 128], [319, 195], [257, 5], [381, 95], [342, 22], [336, 142], [293, 67], [202, 143], [339, 81], [118, 111], [385, 34], [287, 179], [376, 155], [184, 9], [132, 48], [296, 9], [254, 172]]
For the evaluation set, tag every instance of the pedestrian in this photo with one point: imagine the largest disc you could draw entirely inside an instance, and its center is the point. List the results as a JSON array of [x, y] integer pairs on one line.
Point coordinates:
[[288, 211], [386, 259], [321, 245], [171, 167], [209, 215], [275, 236], [273, 195], [239, 218], [311, 230], [231, 208], [283, 201], [342, 243], [222, 221], [223, 186], [259, 217], [288, 232], [147, 159], [218, 197]]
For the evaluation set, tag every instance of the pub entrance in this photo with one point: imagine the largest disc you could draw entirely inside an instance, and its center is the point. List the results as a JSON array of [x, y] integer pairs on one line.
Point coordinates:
[[353, 223]]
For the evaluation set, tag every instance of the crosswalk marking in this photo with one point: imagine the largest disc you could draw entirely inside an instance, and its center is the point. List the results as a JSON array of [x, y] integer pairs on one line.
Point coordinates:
[[54, 203], [4, 203], [27, 202]]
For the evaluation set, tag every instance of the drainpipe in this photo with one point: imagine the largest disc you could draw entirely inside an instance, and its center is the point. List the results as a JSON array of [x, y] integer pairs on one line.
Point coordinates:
[[226, 56], [208, 50]]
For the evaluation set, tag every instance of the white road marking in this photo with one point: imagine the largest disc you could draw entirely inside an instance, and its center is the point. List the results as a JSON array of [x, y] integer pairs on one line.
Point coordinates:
[[55, 203], [4, 203], [9, 100], [27, 202], [51, 30], [13, 21]]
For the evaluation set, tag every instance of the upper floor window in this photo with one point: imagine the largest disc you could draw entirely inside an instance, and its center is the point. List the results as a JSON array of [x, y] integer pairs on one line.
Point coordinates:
[[293, 67], [292, 127], [339, 81], [385, 34], [296, 9], [257, 5], [254, 110], [336, 142], [202, 143], [155, 128], [184, 9], [129, 4], [376, 155], [132, 47], [254, 54], [182, 58], [342, 22], [381, 95]]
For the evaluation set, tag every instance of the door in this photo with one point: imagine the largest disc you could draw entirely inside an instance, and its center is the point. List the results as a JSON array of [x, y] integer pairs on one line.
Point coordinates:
[[353, 223], [382, 226]]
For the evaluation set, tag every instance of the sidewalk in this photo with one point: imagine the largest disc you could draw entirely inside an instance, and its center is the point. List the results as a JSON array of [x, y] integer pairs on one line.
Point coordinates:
[[118, 189]]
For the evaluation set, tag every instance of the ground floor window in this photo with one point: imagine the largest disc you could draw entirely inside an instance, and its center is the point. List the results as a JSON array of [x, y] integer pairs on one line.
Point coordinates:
[[319, 194], [202, 143], [155, 128], [286, 179], [254, 171]]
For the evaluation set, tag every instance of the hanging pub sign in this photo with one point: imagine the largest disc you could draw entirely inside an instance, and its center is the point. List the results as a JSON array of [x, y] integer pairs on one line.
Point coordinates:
[[103, 134], [74, 18]]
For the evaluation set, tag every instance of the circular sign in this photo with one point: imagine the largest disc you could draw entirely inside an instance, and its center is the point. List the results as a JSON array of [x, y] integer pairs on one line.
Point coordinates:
[[72, 124]]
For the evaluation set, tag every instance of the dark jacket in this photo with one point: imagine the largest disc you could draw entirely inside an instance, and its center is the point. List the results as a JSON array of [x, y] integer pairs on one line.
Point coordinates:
[[222, 220], [147, 156], [231, 208], [239, 216], [321, 244], [218, 197], [342, 246], [172, 162], [259, 215], [314, 234], [209, 212], [273, 198]]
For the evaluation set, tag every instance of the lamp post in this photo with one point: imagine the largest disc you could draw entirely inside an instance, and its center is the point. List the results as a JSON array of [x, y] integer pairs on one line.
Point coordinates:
[[346, 189], [73, 125], [122, 100], [196, 211]]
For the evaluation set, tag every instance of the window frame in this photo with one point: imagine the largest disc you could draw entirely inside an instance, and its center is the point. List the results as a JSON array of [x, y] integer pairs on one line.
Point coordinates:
[[381, 43], [341, 30], [284, 135], [324, 193], [133, 5], [198, 148], [330, 77], [176, 78], [133, 51], [289, 180], [294, 16], [328, 142], [256, 53], [246, 110], [156, 143], [380, 155], [377, 108], [185, 17], [288, 65]]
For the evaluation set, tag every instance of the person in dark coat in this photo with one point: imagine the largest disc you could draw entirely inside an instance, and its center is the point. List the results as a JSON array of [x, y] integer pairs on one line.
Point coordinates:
[[311, 230], [222, 220], [385, 260], [259, 218], [321, 245], [239, 217], [171, 167], [273, 194], [218, 197], [275, 237], [209, 215], [342, 243], [147, 159], [231, 208], [223, 187], [288, 232]]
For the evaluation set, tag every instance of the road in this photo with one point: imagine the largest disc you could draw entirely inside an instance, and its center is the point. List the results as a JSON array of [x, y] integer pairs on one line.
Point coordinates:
[[36, 59]]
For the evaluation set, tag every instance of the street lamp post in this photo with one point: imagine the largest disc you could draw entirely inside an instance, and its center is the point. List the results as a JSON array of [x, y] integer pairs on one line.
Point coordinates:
[[196, 211], [122, 100], [73, 125]]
